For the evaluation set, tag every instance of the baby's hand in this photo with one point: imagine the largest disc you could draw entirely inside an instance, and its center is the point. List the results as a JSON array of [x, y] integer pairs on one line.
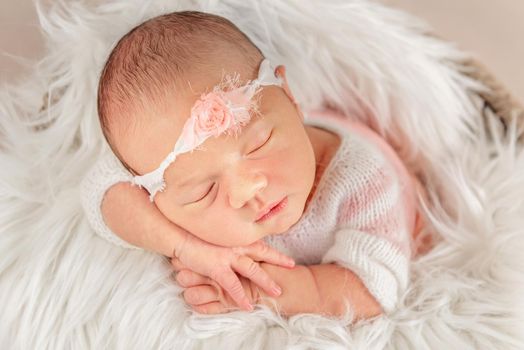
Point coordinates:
[[221, 263], [205, 296]]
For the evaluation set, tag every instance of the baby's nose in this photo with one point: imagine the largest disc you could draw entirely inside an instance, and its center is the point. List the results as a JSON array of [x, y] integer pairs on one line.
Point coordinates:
[[244, 187]]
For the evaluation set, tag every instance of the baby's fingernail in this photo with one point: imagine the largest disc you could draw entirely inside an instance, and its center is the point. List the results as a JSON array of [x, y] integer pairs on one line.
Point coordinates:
[[246, 305], [291, 263], [276, 290]]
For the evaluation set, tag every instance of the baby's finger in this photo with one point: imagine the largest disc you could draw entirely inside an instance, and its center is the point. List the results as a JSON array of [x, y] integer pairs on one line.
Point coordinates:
[[260, 251], [177, 265], [229, 281], [201, 295], [252, 270], [188, 278], [211, 308]]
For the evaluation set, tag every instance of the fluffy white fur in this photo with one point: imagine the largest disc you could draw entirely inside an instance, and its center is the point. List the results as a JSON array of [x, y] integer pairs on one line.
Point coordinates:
[[62, 287]]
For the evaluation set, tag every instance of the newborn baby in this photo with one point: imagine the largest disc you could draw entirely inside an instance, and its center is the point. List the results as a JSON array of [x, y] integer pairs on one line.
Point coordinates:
[[215, 158]]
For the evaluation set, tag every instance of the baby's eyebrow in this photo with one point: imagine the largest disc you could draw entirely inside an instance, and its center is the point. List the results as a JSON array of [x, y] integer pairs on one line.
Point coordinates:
[[187, 183]]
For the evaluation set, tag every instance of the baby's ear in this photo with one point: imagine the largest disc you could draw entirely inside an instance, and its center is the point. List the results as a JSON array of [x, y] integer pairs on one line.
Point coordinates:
[[280, 71]]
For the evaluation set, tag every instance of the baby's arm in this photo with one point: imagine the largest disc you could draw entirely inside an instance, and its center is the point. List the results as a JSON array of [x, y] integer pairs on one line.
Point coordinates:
[[321, 289], [367, 281], [139, 223], [324, 289], [122, 213]]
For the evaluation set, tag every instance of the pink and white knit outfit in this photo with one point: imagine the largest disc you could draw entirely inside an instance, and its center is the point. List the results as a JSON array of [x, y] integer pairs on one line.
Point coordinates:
[[362, 215]]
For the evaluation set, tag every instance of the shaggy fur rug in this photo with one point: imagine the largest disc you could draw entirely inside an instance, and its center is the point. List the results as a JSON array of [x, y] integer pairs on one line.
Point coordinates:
[[61, 287]]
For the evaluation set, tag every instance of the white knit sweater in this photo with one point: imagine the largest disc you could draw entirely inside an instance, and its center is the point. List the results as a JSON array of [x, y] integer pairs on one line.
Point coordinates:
[[360, 217]]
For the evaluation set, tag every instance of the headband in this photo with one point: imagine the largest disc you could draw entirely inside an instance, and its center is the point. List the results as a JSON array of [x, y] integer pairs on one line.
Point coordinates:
[[224, 110]]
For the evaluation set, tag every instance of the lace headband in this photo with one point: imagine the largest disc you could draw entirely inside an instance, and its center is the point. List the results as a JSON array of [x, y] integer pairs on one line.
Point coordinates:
[[222, 110]]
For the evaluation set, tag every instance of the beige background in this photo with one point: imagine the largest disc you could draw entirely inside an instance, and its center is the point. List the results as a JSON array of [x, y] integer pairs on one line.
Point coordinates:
[[492, 30]]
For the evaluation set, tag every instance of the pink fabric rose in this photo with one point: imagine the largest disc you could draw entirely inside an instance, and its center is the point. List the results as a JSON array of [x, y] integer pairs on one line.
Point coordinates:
[[213, 117], [209, 116]]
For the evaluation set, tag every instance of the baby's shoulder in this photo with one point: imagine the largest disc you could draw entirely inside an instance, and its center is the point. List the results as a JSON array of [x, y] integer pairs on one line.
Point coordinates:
[[359, 163], [365, 168], [356, 155], [362, 153]]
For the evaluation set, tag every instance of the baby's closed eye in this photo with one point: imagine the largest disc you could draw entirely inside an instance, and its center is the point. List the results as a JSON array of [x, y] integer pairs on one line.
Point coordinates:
[[258, 146], [205, 195], [265, 142]]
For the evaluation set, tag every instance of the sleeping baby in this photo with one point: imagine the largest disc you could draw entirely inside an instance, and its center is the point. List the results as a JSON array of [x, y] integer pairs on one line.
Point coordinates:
[[215, 166]]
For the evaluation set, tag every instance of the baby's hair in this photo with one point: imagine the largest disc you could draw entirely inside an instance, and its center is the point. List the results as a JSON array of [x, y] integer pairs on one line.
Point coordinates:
[[155, 58]]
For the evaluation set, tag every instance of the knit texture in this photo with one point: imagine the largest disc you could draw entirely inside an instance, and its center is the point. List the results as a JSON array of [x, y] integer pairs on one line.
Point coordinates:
[[107, 172], [360, 216]]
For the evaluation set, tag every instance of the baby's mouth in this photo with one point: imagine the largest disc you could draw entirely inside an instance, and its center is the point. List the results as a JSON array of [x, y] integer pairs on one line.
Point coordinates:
[[272, 210]]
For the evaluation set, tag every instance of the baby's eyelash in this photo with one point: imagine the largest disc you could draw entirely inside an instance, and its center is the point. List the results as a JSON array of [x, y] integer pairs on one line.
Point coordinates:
[[265, 142], [209, 191]]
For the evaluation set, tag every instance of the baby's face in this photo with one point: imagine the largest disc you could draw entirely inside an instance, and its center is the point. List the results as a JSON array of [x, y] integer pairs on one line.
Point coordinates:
[[221, 192]]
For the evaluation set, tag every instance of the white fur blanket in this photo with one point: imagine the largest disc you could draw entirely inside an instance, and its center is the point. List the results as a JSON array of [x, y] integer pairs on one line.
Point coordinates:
[[61, 287]]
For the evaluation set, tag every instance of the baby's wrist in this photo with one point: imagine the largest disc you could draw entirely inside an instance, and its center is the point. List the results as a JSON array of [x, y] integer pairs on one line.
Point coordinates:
[[166, 238], [260, 297], [299, 293], [178, 244]]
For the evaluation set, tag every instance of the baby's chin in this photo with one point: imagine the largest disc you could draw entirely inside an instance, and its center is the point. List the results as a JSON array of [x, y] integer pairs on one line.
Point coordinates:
[[292, 218]]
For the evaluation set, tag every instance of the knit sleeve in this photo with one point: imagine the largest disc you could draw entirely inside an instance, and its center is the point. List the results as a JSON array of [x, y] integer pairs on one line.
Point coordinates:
[[373, 238], [105, 173]]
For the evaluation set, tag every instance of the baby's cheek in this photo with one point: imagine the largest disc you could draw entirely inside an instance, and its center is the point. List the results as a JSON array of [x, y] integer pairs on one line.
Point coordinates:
[[214, 225], [223, 229]]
